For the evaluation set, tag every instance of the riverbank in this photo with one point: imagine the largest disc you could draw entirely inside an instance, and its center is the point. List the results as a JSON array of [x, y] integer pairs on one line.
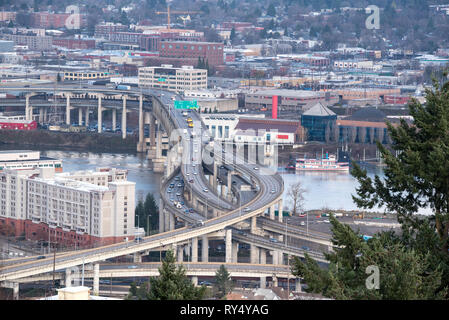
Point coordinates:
[[94, 142]]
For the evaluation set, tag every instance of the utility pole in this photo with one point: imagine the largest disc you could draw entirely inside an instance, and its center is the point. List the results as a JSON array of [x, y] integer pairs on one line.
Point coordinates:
[[54, 265]]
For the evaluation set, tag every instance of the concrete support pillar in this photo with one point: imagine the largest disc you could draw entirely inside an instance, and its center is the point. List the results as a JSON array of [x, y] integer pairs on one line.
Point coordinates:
[[228, 240], [124, 118], [27, 108], [114, 119], [275, 257], [195, 281], [41, 115], [272, 213], [68, 278], [100, 113], [280, 255], [263, 282], [87, 117], [195, 250], [263, 256], [80, 116], [214, 181], [172, 221], [235, 252], [141, 125], [161, 216], [137, 257], [211, 180], [205, 249], [180, 254], [45, 120], [254, 254], [229, 194], [298, 285], [222, 191], [96, 279], [281, 205], [253, 224], [275, 281], [67, 110], [166, 220], [15, 291], [152, 130], [159, 144]]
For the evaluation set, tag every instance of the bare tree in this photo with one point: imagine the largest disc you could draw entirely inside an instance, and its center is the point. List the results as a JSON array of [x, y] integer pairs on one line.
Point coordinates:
[[352, 134], [362, 135], [336, 133], [327, 133], [371, 135], [380, 135], [296, 195]]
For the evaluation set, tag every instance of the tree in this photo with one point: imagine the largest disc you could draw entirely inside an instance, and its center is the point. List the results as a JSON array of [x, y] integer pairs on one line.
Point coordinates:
[[173, 284], [296, 195], [223, 283], [403, 273], [271, 11], [416, 177], [232, 35], [147, 210]]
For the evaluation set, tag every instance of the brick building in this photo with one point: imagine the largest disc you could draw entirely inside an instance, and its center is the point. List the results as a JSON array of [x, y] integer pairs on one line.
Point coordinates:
[[190, 51], [74, 43]]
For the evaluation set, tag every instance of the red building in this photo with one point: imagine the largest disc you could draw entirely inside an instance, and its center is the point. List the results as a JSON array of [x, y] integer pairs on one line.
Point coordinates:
[[190, 51], [396, 99], [74, 43], [54, 20], [17, 124]]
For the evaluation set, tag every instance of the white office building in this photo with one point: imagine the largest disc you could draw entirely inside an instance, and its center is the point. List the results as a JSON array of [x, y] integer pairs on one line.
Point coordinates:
[[166, 77]]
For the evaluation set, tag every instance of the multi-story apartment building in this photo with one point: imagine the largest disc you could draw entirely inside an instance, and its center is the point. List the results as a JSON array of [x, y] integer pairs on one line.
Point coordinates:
[[105, 29], [169, 78], [84, 208], [19, 160], [33, 42]]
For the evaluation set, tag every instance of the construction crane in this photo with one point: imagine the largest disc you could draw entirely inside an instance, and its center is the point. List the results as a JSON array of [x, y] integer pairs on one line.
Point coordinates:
[[175, 12]]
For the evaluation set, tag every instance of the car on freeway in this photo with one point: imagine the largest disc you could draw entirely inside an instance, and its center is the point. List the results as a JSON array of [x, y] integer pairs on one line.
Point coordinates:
[[194, 165], [178, 194], [303, 223], [205, 190], [191, 181], [169, 191], [191, 210], [273, 191], [132, 267], [273, 240], [182, 203], [138, 239], [187, 174], [195, 173], [305, 248], [179, 185], [40, 257], [247, 209], [256, 168]]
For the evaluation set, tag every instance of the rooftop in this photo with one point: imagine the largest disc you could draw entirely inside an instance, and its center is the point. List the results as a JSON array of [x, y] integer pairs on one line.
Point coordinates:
[[319, 110]]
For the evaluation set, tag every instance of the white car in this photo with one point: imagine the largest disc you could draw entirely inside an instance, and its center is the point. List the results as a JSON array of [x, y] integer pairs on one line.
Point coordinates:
[[303, 223], [205, 190]]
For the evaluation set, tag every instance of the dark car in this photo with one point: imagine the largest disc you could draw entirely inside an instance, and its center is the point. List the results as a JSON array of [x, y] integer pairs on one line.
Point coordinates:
[[40, 257]]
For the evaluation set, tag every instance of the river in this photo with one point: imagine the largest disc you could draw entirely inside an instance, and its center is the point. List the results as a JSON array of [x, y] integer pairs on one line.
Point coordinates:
[[330, 190]]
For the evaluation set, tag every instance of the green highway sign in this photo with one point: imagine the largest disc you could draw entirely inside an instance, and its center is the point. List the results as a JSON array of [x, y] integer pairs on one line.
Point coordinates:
[[186, 104]]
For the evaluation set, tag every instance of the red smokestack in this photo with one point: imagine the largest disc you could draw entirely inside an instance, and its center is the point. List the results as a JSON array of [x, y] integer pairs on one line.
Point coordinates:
[[274, 108]]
